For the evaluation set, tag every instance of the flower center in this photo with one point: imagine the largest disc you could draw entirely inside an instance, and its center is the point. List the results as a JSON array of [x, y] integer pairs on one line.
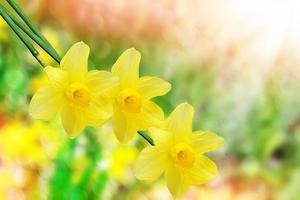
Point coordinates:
[[130, 101], [183, 155], [78, 94]]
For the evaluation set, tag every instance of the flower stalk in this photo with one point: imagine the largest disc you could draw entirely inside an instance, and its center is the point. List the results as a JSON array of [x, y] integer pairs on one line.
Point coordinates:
[[20, 34], [36, 35]]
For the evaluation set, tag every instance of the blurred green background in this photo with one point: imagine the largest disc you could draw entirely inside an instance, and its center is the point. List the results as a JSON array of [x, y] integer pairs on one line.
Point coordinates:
[[236, 62]]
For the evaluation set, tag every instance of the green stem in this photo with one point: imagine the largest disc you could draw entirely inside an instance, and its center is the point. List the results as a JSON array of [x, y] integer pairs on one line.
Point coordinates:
[[28, 22], [20, 34], [146, 137], [35, 38]]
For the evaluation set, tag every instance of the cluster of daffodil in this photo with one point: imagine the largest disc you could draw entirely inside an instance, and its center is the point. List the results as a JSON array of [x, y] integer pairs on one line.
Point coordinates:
[[91, 98]]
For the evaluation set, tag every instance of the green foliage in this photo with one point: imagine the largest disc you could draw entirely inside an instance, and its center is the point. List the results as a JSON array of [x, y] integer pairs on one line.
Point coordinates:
[[87, 187]]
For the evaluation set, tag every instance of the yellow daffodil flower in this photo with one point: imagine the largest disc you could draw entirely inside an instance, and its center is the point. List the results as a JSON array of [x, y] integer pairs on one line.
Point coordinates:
[[26, 142], [121, 158], [133, 109], [81, 97], [178, 153]]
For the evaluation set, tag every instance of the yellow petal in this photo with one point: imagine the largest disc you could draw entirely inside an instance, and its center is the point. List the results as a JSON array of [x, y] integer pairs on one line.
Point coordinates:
[[45, 103], [176, 181], [123, 126], [127, 67], [57, 77], [150, 164], [150, 87], [73, 121], [180, 120], [75, 62], [204, 141], [102, 83], [151, 115], [98, 112], [203, 171], [162, 139]]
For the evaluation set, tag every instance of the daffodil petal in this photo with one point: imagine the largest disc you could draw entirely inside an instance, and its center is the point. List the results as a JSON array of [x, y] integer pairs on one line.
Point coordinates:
[[45, 103], [180, 120], [127, 67], [98, 112], [75, 62], [102, 83], [150, 164], [204, 141], [151, 115], [151, 87], [176, 181], [162, 139], [57, 77], [73, 121], [123, 126], [203, 171]]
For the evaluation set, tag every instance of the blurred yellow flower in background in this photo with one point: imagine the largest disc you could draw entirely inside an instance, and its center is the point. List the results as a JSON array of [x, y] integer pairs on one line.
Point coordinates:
[[178, 153], [26, 150], [121, 159], [3, 31], [81, 97], [6, 183], [30, 143], [133, 109]]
